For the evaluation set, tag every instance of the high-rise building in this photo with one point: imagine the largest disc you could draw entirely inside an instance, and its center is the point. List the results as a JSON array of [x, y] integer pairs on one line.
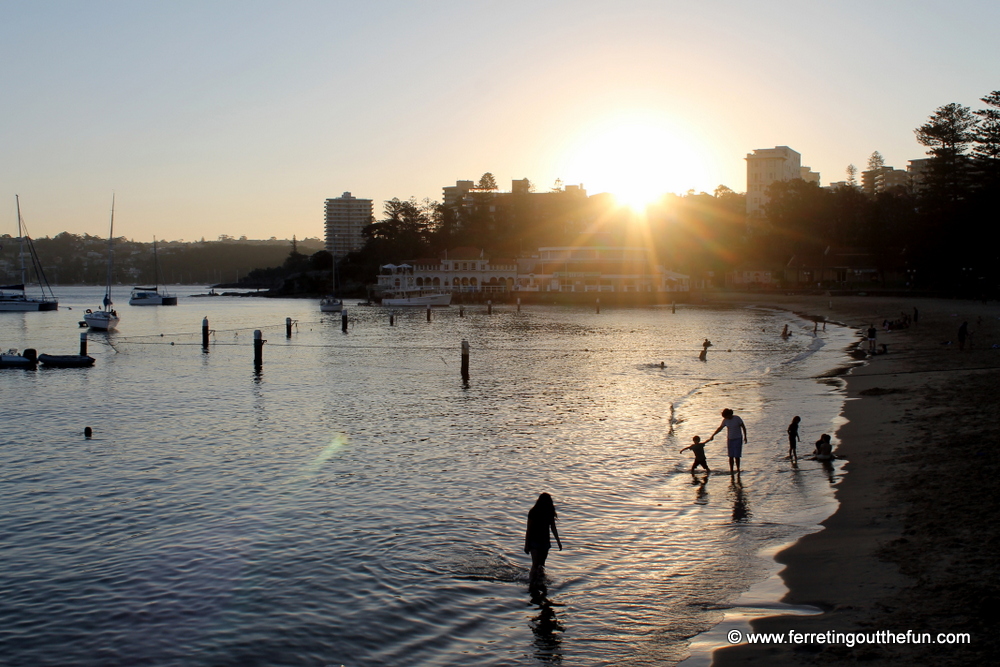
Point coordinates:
[[346, 217], [767, 165], [875, 181]]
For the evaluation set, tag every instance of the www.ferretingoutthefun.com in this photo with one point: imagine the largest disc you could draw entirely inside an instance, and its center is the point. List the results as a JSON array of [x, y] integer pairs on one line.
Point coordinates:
[[848, 638]]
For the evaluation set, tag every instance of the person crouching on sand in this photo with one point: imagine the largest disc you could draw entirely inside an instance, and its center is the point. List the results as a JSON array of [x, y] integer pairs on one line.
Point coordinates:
[[541, 519], [698, 447], [824, 448]]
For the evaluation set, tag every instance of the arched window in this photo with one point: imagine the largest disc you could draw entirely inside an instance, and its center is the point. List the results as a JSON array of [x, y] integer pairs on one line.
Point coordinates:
[[420, 282], [465, 282], [472, 281], [437, 282], [455, 282]]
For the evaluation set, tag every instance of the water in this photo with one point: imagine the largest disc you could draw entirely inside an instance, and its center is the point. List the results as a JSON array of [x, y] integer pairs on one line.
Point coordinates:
[[353, 504]]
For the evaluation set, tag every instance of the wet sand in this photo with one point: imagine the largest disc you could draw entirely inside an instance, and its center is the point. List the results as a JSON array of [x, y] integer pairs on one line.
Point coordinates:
[[914, 544]]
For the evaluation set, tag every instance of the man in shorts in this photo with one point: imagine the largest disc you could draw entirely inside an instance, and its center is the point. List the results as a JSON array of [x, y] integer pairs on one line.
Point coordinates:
[[736, 435]]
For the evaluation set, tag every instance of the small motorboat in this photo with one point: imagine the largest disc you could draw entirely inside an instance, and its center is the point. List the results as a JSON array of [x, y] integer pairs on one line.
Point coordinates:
[[66, 360], [15, 359]]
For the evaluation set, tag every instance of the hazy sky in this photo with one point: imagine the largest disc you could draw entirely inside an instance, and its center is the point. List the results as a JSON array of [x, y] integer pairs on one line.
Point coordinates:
[[209, 118]]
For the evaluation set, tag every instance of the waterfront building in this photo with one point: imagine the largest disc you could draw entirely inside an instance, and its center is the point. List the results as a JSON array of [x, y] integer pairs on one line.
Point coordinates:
[[764, 167], [346, 218]]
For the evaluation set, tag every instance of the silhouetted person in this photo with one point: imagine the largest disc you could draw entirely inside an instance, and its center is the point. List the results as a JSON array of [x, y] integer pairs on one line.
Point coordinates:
[[698, 448], [963, 333], [541, 519], [88, 432], [736, 435], [793, 437], [824, 448], [872, 334]]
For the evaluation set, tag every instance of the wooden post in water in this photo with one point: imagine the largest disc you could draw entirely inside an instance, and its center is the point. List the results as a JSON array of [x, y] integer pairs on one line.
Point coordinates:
[[519, 304], [343, 320], [83, 344], [465, 361], [598, 305], [673, 307], [258, 349], [392, 318], [489, 306], [288, 327], [428, 312], [204, 334], [461, 311]]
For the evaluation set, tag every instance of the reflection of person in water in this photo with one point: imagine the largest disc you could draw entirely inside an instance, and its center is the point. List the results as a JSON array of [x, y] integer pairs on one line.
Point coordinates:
[[741, 511], [541, 519], [546, 628]]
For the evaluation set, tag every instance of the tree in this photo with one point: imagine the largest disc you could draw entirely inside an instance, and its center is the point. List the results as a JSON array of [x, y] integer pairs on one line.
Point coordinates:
[[852, 176], [986, 150], [875, 161], [487, 182], [948, 134]]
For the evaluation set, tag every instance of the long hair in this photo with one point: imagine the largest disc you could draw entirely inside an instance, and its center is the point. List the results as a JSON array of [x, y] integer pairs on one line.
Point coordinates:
[[544, 509]]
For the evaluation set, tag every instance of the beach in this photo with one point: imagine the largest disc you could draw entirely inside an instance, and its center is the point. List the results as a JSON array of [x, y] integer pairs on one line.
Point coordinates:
[[913, 545]]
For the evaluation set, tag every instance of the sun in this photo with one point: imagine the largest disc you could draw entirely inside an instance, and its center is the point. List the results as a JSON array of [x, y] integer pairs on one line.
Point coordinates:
[[636, 157]]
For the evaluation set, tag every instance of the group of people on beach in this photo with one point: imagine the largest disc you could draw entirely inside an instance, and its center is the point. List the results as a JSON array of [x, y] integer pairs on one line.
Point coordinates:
[[736, 437]]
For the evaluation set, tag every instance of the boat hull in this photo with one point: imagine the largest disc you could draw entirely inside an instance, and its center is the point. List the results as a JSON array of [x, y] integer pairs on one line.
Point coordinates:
[[101, 320], [153, 301], [330, 305], [66, 360], [26, 305], [418, 301]]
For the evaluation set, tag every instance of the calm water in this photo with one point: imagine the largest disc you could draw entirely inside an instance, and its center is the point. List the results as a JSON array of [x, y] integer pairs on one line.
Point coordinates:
[[354, 504]]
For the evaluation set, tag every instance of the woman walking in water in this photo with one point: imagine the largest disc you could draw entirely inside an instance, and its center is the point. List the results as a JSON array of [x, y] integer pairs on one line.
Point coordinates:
[[541, 519], [736, 432]]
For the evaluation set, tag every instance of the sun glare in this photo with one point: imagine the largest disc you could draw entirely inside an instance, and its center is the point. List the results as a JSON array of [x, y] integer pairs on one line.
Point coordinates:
[[636, 158]]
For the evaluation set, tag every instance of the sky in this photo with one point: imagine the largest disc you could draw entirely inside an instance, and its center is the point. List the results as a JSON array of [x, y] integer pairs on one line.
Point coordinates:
[[242, 117]]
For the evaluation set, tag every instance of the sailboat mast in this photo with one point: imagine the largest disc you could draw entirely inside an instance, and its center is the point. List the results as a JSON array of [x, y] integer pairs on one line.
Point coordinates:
[[20, 236], [111, 255]]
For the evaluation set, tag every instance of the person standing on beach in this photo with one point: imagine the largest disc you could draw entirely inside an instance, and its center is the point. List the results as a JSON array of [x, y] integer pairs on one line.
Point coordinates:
[[793, 438], [872, 333], [736, 436], [541, 519]]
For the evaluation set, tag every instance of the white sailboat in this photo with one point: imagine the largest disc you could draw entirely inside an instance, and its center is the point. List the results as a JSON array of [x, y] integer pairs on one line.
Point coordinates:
[[331, 303], [152, 296], [13, 297], [106, 318]]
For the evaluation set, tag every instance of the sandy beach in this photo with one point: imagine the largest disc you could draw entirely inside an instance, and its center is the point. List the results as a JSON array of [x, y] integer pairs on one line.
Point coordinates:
[[914, 542]]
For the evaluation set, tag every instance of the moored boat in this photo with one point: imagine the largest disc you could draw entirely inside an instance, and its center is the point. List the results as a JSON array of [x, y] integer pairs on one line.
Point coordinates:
[[152, 296], [13, 298], [66, 360], [15, 359], [106, 318]]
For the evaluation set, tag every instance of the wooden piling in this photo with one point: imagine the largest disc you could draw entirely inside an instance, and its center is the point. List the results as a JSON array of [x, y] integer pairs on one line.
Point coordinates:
[[598, 305], [461, 311], [519, 304], [392, 318], [428, 313], [465, 361], [288, 327], [204, 334], [489, 306], [343, 320], [83, 344], [258, 348], [673, 307]]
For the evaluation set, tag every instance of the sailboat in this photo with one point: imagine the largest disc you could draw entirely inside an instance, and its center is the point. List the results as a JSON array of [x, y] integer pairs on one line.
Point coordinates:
[[152, 296], [331, 303], [13, 297], [106, 318]]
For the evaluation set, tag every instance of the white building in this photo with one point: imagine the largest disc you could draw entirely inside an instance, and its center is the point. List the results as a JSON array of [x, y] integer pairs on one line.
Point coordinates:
[[460, 270], [346, 217], [765, 166], [597, 269]]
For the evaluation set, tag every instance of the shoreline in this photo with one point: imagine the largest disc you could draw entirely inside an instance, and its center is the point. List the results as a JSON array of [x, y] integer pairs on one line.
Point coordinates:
[[875, 563]]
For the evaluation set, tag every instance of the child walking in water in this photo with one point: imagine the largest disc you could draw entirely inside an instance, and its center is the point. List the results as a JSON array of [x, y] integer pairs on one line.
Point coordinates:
[[793, 438], [698, 447]]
